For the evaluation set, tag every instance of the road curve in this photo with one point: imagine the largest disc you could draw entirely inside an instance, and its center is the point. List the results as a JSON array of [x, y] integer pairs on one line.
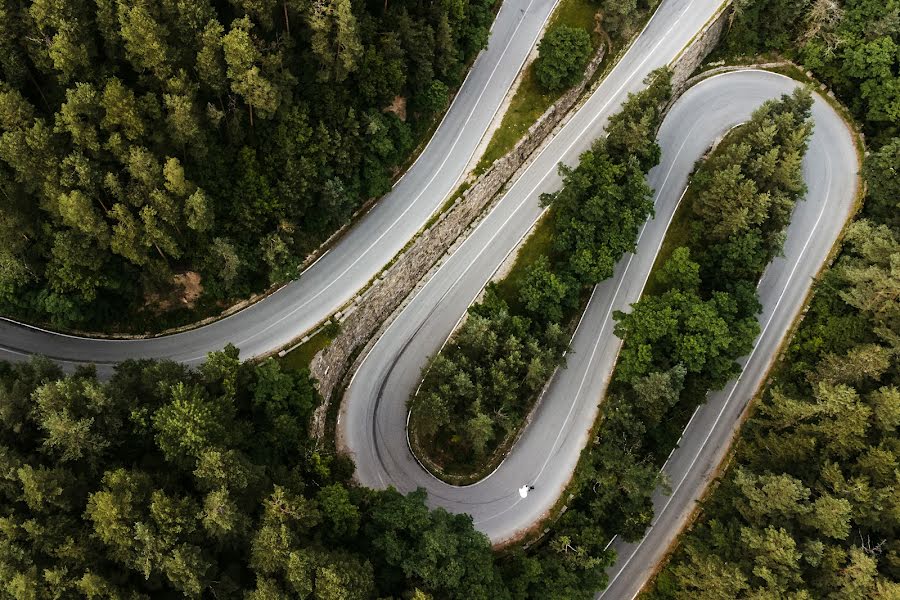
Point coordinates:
[[370, 420], [373, 416], [830, 169], [360, 254]]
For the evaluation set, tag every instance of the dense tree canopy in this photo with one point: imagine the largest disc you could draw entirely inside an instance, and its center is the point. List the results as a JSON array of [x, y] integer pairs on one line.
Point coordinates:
[[622, 17], [477, 389], [882, 173], [164, 482], [850, 44], [808, 507], [563, 53], [139, 140]]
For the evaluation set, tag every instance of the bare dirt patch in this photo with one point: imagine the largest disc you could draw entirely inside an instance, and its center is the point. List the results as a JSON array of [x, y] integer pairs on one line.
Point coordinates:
[[186, 288], [398, 107], [191, 287]]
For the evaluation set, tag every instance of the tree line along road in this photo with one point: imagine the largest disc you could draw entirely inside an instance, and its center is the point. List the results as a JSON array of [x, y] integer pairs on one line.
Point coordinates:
[[360, 254], [373, 417]]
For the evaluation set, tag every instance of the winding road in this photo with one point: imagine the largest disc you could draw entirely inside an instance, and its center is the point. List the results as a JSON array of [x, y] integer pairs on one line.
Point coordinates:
[[372, 423], [360, 254], [374, 413], [830, 169]]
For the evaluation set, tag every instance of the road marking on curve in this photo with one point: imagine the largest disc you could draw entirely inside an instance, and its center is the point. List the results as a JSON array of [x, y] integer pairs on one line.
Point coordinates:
[[525, 198]]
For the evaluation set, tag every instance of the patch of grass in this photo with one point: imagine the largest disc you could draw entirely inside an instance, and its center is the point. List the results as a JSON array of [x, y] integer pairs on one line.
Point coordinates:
[[679, 232], [577, 13], [302, 355], [531, 100], [527, 105], [677, 235], [539, 243]]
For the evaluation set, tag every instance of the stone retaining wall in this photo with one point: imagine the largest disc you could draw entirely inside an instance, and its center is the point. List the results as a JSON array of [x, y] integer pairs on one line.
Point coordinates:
[[370, 310], [698, 49]]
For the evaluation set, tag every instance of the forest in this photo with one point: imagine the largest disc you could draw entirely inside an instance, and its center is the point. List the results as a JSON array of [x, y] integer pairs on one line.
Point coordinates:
[[705, 292], [479, 388], [852, 45], [141, 142], [169, 483], [808, 507]]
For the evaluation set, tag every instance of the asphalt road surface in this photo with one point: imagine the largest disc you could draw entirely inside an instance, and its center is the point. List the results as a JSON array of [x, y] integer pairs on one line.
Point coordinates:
[[361, 253], [374, 413], [830, 170], [373, 416]]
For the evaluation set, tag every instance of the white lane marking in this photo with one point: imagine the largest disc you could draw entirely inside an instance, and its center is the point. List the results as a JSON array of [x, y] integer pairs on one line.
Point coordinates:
[[56, 333], [11, 351]]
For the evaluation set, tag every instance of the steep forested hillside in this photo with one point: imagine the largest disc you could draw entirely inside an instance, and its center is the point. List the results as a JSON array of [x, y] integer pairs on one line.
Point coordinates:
[[143, 139]]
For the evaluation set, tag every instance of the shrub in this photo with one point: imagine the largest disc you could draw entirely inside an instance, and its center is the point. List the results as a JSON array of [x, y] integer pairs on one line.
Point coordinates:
[[562, 56]]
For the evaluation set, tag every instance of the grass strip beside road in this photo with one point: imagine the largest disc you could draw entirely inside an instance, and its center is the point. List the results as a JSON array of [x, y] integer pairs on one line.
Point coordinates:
[[300, 357], [531, 100]]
